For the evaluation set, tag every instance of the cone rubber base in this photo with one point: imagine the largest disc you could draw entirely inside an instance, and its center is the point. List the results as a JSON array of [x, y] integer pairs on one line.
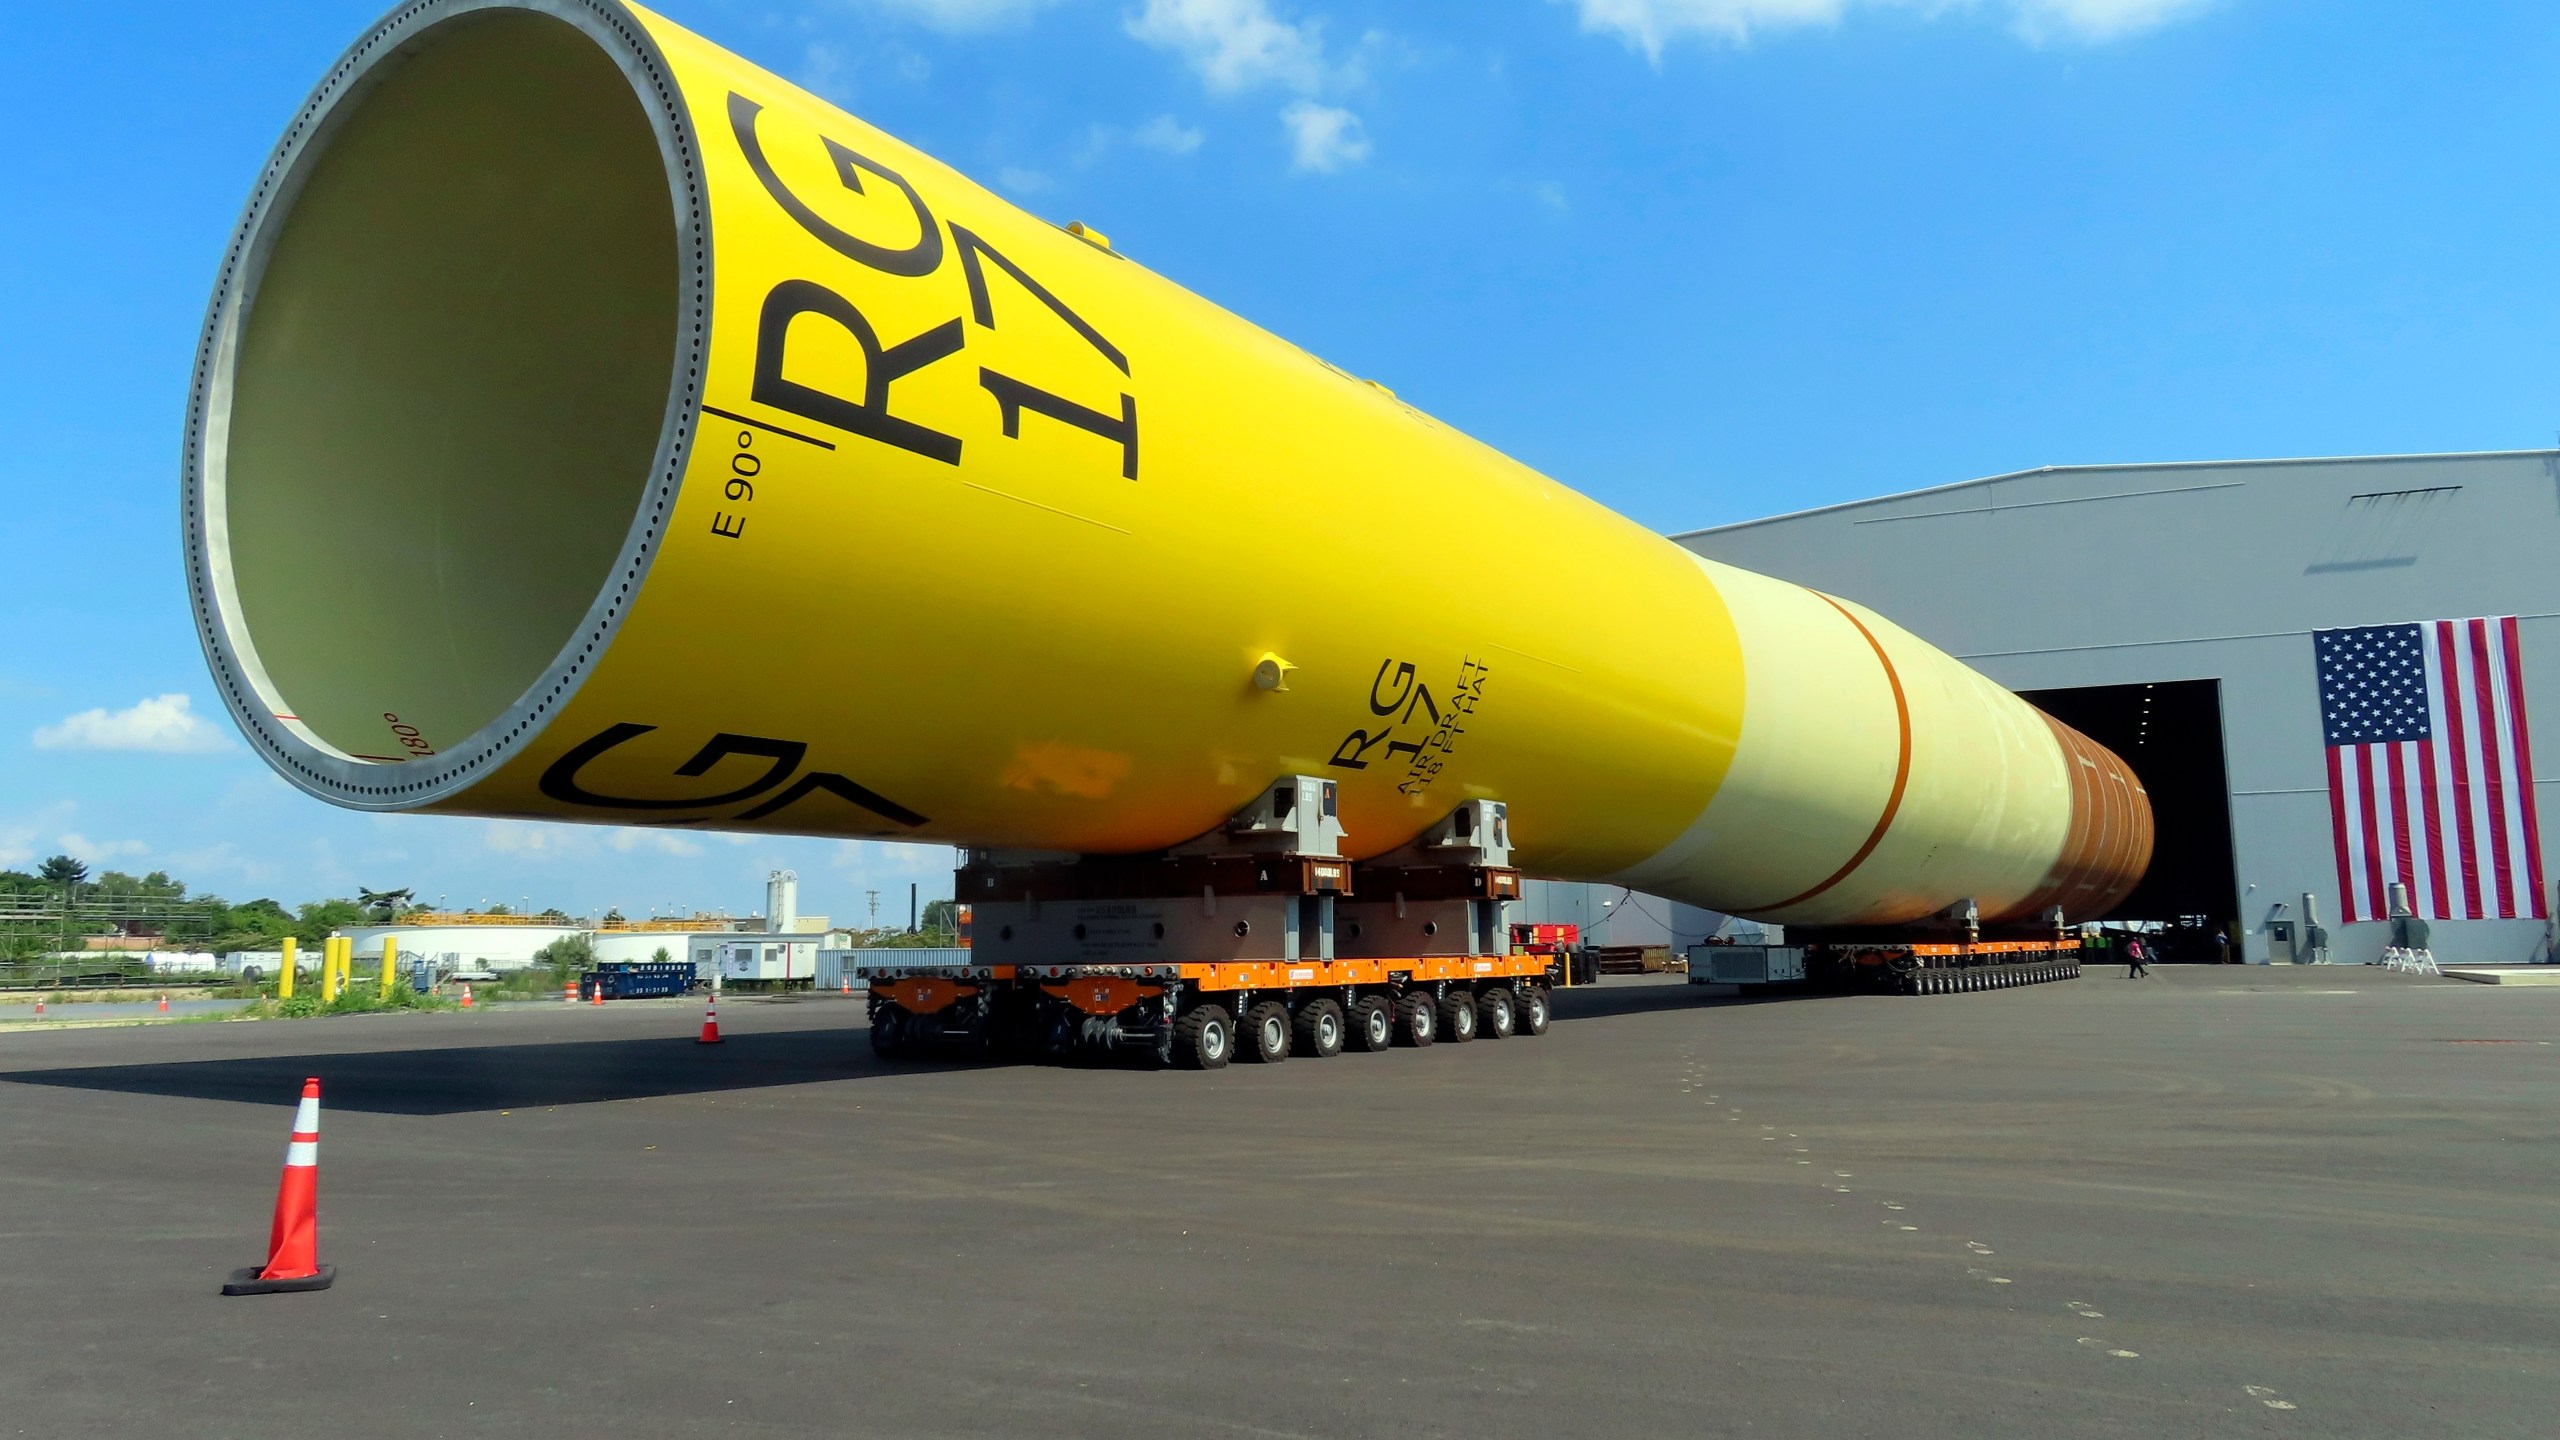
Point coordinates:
[[246, 1282]]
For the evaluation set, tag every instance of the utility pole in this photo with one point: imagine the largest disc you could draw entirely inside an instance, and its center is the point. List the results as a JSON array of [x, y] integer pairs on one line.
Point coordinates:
[[875, 903], [911, 907]]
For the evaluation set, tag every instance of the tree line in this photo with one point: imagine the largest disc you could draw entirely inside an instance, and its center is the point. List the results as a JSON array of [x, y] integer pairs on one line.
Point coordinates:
[[202, 921]]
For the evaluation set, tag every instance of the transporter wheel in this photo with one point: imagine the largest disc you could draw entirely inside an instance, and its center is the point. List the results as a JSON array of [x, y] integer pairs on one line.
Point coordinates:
[[1417, 1023], [1373, 1023], [1204, 1038], [1533, 1012], [1058, 1037], [1319, 1031], [890, 1033], [1458, 1017], [1265, 1040], [1494, 1012]]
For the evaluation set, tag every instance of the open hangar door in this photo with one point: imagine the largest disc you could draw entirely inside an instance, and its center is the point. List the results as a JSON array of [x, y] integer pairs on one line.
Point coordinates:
[[2171, 734]]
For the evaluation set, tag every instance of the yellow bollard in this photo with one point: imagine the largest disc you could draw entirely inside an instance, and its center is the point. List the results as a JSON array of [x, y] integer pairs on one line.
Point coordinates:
[[390, 962], [346, 963], [284, 972], [328, 969]]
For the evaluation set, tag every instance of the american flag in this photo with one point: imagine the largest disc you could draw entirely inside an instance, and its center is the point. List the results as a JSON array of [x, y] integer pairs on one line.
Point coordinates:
[[2431, 769]]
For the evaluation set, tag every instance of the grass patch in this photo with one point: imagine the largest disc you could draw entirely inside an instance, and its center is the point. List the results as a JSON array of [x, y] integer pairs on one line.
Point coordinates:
[[355, 1000]]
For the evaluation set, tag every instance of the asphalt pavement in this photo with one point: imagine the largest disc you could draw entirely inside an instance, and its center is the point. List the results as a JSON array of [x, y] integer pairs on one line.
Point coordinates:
[[2220, 1202]]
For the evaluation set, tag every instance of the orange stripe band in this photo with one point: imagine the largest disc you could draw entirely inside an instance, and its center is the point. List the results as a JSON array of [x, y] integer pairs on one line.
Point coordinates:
[[1901, 766]]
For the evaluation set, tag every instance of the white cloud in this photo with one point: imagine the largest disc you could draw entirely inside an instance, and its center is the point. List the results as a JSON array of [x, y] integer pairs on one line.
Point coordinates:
[[1236, 45], [165, 724], [1323, 138], [81, 847], [533, 837], [1242, 45], [548, 840], [29, 838], [661, 842], [1169, 135], [2097, 19], [1648, 25], [21, 839], [962, 17]]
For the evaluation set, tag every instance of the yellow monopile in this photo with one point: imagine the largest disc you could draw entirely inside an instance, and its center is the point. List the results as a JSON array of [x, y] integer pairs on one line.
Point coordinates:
[[730, 463]]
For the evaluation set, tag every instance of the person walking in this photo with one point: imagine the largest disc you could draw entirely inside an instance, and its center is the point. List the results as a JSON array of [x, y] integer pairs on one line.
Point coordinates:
[[2137, 962], [2221, 947]]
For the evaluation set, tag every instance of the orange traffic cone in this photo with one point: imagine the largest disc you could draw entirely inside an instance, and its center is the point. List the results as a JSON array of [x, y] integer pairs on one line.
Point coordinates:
[[164, 1003], [293, 1241], [848, 985], [466, 997], [39, 1007], [710, 1023], [598, 992]]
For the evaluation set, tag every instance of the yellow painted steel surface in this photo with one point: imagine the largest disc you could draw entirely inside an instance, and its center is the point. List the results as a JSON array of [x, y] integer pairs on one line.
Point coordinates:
[[964, 528]]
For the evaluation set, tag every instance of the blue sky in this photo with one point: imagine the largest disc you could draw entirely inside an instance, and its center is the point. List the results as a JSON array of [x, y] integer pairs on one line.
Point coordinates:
[[1702, 259]]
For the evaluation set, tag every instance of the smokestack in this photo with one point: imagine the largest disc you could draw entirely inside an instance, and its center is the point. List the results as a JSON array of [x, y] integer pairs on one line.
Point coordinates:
[[782, 901]]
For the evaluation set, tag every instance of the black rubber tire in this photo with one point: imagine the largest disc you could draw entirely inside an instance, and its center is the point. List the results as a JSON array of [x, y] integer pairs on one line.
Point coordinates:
[[889, 1038], [1373, 1023], [1204, 1038], [1263, 1038], [1417, 1023], [1319, 1031], [1458, 1017], [1058, 1039], [1495, 1012], [1535, 1011]]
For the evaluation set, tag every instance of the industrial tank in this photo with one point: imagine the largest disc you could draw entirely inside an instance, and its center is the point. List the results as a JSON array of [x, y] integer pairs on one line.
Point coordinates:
[[715, 459]]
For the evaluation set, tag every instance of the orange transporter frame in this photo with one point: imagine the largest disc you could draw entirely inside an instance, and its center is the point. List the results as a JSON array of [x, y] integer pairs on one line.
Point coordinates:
[[1201, 1015], [1955, 968], [1260, 940]]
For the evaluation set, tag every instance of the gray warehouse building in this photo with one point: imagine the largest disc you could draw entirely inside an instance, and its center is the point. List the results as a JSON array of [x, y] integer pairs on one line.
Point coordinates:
[[2169, 612]]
